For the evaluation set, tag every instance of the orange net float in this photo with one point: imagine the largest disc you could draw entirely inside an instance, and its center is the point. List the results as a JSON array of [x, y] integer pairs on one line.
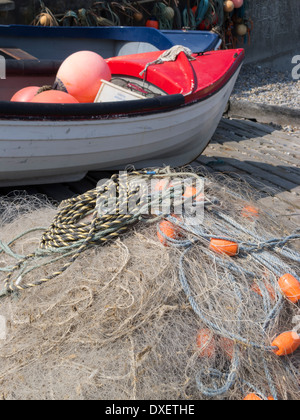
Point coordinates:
[[25, 94], [286, 343], [161, 185], [206, 343], [193, 192], [80, 75], [290, 287], [152, 23], [228, 346], [252, 397], [169, 230], [222, 246], [272, 293], [250, 212], [54, 97]]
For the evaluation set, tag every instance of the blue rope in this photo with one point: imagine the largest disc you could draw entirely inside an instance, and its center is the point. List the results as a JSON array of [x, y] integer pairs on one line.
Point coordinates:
[[201, 11]]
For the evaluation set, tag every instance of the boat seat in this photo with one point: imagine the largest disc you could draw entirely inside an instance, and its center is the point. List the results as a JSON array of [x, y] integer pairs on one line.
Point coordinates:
[[175, 77], [17, 54]]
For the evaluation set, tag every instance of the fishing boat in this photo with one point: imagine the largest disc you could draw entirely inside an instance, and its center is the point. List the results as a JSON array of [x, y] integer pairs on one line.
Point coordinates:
[[23, 42], [176, 109]]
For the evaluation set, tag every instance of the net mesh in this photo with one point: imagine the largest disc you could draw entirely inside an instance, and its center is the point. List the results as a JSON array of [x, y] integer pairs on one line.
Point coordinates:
[[136, 319]]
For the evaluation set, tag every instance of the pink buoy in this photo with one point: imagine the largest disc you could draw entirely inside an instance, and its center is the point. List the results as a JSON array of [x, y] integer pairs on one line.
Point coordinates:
[[81, 73], [25, 94], [238, 3], [54, 97]]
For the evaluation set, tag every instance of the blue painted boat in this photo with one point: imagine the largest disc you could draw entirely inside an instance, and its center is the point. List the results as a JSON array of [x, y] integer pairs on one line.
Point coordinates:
[[57, 43]]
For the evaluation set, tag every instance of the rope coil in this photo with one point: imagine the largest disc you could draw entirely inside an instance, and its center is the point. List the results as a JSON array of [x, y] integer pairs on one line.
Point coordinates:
[[71, 233]]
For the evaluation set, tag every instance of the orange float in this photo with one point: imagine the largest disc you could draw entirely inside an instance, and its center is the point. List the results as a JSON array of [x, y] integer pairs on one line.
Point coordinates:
[[152, 23], [192, 192], [221, 246], [228, 346], [286, 343], [81, 73], [290, 287], [255, 287], [252, 397], [54, 97], [228, 6], [169, 230], [250, 212], [25, 94], [161, 185], [206, 343]]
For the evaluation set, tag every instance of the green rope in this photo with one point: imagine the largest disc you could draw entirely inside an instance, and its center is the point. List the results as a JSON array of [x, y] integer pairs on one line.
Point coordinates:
[[159, 11]]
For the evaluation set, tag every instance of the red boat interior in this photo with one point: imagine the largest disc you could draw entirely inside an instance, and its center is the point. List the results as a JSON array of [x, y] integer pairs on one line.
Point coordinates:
[[182, 76]]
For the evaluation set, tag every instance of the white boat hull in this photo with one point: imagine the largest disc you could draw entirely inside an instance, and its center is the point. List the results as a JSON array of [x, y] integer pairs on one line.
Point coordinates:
[[38, 152]]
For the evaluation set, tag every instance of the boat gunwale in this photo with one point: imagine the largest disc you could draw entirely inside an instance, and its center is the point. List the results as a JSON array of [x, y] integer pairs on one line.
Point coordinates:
[[112, 110], [104, 110], [121, 33]]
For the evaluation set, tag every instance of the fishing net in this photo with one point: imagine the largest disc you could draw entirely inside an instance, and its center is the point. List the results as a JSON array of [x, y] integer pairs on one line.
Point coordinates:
[[148, 313]]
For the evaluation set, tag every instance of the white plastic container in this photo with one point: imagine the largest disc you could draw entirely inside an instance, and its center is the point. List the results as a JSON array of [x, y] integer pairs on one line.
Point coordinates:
[[109, 92]]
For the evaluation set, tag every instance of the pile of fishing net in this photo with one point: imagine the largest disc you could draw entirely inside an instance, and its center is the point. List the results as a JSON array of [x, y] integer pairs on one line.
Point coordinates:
[[148, 306]]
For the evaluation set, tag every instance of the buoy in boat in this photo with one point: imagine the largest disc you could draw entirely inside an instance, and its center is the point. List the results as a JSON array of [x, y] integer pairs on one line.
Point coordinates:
[[221, 246], [290, 287], [238, 3], [25, 94], [81, 73], [54, 97], [286, 343], [228, 6], [206, 343]]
